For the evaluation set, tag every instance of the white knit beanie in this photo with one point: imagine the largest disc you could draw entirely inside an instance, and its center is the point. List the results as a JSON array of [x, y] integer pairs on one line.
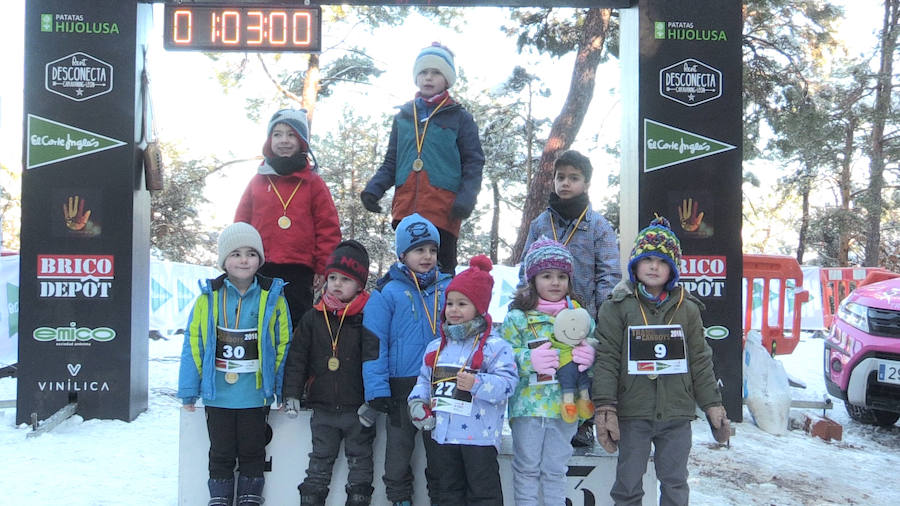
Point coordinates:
[[438, 57], [238, 235]]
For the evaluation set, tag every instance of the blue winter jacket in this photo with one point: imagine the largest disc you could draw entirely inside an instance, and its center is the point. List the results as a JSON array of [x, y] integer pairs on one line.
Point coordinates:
[[196, 377], [395, 315]]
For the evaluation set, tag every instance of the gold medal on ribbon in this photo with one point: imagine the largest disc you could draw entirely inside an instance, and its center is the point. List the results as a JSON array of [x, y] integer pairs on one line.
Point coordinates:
[[418, 164], [284, 222], [231, 377], [333, 364]]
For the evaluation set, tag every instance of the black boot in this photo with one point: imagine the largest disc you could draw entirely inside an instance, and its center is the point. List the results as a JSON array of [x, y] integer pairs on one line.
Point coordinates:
[[312, 496], [249, 490], [359, 495], [221, 491]]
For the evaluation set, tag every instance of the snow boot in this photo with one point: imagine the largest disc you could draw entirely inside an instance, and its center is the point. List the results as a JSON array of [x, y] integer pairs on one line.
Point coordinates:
[[221, 491], [312, 496], [249, 490], [359, 495]]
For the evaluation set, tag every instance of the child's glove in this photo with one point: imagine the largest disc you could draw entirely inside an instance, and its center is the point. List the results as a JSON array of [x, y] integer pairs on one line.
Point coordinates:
[[383, 404], [421, 414], [367, 415], [460, 211], [583, 355], [606, 419], [370, 202], [544, 360], [718, 423], [291, 406]]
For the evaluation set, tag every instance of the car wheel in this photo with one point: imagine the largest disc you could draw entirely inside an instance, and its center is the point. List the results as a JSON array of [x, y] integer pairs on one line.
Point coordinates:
[[871, 416]]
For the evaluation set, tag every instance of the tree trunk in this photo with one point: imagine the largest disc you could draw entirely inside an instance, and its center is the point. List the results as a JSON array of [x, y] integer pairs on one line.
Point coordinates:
[[875, 202], [567, 124], [804, 216], [311, 87], [495, 222], [845, 189]]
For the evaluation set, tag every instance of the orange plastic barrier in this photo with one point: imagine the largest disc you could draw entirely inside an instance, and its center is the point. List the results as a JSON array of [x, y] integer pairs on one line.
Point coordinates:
[[770, 268], [838, 282]]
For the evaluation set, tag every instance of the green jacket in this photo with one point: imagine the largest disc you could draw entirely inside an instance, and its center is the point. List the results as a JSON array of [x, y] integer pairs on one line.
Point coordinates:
[[669, 396]]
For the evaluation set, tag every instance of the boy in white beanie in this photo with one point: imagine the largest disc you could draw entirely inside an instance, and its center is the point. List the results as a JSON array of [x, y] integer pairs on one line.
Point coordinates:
[[434, 156], [237, 369]]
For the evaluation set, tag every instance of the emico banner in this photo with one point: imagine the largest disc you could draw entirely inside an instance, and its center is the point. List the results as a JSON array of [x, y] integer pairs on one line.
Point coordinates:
[[84, 258]]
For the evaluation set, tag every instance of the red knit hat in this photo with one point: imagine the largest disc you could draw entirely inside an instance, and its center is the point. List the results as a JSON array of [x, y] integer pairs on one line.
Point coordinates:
[[475, 283]]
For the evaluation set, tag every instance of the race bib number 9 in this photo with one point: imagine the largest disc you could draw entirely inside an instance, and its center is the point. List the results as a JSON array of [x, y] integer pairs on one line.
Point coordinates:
[[656, 349], [445, 396], [237, 350]]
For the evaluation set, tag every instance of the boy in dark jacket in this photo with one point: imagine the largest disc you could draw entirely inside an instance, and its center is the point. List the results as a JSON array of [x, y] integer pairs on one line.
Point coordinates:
[[326, 362], [434, 156]]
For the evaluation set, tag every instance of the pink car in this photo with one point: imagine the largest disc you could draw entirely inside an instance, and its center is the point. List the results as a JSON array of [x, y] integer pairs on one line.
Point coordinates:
[[862, 353]]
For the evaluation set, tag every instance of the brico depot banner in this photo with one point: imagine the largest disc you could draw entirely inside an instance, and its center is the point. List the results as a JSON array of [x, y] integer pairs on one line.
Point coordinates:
[[75, 276], [689, 108]]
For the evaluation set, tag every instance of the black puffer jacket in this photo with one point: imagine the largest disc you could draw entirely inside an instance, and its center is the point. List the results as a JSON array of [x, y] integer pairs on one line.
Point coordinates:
[[306, 369]]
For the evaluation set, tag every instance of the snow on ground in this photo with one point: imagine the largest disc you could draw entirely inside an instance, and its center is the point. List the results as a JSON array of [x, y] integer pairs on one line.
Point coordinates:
[[108, 462]]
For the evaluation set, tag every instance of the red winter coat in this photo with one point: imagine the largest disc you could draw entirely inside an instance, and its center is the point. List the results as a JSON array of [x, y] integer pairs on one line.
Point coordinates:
[[315, 230]]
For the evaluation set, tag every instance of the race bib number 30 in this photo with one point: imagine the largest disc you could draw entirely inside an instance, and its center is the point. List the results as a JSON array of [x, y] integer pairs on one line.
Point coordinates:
[[237, 350], [445, 396], [656, 349]]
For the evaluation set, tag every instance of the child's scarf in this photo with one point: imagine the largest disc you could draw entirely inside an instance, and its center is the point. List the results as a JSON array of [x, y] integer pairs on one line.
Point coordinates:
[[551, 308]]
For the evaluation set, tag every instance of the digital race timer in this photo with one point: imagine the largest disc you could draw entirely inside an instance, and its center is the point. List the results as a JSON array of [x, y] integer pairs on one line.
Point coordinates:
[[242, 27]]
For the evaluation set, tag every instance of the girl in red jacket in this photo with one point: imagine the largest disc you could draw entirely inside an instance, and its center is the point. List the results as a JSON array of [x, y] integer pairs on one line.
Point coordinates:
[[290, 206]]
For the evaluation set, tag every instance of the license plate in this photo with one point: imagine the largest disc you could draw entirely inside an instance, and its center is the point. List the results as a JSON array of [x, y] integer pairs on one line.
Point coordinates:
[[889, 372]]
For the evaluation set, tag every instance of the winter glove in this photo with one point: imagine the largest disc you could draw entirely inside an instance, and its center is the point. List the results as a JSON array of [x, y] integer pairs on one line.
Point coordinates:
[[583, 355], [718, 423], [367, 415], [291, 406], [606, 420], [460, 211], [383, 404], [421, 414], [544, 360], [370, 202]]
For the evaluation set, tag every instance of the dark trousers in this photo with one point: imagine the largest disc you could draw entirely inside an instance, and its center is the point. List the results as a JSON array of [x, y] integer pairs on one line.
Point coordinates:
[[236, 435], [469, 475], [447, 252], [328, 430], [400, 443], [298, 288], [672, 443]]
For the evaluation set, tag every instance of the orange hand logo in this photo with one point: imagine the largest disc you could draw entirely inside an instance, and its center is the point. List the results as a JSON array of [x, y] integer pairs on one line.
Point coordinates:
[[74, 214], [687, 213]]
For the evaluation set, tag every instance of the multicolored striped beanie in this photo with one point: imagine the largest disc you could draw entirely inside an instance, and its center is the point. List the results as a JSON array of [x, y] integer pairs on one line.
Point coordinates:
[[547, 254], [657, 240]]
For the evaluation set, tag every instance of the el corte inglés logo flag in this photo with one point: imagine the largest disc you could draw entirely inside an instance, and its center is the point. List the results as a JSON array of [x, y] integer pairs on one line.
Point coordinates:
[[51, 141], [666, 145]]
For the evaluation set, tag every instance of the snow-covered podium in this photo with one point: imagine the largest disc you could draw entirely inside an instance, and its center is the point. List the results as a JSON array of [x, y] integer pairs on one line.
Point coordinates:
[[590, 476]]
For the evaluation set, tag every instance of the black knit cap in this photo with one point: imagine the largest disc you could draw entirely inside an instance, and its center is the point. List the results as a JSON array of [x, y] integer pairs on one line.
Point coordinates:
[[351, 259]]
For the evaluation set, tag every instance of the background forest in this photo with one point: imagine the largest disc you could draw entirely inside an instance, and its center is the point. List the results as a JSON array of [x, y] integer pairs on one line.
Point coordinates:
[[820, 128]]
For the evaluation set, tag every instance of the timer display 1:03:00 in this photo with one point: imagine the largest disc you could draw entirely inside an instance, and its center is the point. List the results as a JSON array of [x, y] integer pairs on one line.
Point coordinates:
[[225, 27]]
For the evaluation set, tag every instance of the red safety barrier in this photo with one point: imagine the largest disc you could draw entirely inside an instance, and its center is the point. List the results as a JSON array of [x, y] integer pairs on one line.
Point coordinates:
[[838, 282], [769, 268]]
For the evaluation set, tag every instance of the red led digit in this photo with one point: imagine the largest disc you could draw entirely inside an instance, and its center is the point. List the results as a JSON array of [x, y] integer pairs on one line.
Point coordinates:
[[179, 17], [235, 27], [302, 26], [256, 28], [282, 20]]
